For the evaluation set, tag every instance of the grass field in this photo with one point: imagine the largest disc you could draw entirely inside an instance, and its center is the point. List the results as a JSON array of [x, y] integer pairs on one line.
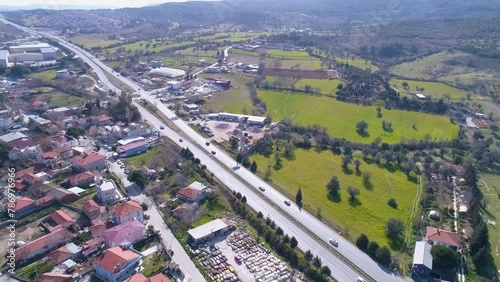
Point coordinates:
[[341, 118], [142, 46], [328, 87], [90, 42], [290, 55], [433, 89], [233, 100], [32, 272], [143, 159], [359, 63], [456, 68], [45, 75], [200, 53], [309, 64], [59, 99], [243, 52], [490, 186], [369, 216]]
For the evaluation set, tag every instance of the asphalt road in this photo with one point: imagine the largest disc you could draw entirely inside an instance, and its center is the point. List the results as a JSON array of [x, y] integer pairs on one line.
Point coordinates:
[[231, 177]]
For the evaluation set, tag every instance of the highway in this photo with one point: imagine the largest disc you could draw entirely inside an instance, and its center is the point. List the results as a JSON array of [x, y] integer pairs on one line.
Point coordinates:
[[294, 221]]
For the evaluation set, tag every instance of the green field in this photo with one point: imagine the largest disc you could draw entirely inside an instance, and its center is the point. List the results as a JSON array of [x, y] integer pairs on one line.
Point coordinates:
[[233, 100], [341, 118], [328, 87], [359, 63], [433, 89], [312, 170], [455, 68], [243, 52], [59, 99], [32, 272], [309, 64], [290, 55], [200, 53], [143, 159], [44, 75], [90, 42], [142, 46], [490, 186]]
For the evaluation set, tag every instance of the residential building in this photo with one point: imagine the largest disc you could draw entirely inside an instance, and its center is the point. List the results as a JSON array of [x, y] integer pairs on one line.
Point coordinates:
[[81, 179], [23, 205], [126, 211], [43, 244], [88, 162], [97, 228], [139, 277], [422, 261], [92, 246], [106, 190], [185, 211], [68, 251], [207, 231], [57, 158], [62, 140], [13, 136], [62, 74], [92, 210], [132, 149], [117, 264], [55, 277], [194, 192], [62, 195], [128, 232], [53, 114], [62, 218], [436, 236], [4, 55]]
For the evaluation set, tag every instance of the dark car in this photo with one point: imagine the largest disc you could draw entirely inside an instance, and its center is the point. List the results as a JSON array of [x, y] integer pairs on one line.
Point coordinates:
[[262, 188], [287, 202], [180, 140], [207, 143], [213, 152]]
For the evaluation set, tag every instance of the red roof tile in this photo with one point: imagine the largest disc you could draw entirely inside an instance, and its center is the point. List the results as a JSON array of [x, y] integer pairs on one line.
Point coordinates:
[[126, 208], [114, 257], [81, 177], [60, 255], [62, 218], [23, 172], [159, 278], [189, 192], [91, 206], [442, 236], [23, 202], [139, 277], [20, 185], [22, 143], [57, 236], [55, 277], [120, 233], [83, 160]]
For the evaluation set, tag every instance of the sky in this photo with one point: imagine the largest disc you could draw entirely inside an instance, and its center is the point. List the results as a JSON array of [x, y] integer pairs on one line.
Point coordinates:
[[53, 4]]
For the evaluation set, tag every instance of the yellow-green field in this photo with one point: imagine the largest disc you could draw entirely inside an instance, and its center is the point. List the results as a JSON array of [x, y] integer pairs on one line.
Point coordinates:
[[44, 75], [90, 42], [290, 55], [490, 186], [302, 64], [327, 87], [359, 63], [433, 89], [341, 118], [243, 52], [233, 100], [312, 170]]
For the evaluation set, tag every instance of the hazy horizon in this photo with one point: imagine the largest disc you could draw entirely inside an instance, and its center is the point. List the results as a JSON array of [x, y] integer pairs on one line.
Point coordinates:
[[53, 4]]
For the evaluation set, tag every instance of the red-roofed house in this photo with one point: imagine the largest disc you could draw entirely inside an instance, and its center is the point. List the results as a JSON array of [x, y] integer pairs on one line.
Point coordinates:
[[89, 162], [189, 194], [68, 251], [55, 277], [57, 158], [82, 179], [126, 211], [92, 246], [62, 218], [133, 148], [61, 140], [91, 209], [43, 244], [138, 277], [23, 205], [436, 236], [116, 264], [97, 228], [128, 232]]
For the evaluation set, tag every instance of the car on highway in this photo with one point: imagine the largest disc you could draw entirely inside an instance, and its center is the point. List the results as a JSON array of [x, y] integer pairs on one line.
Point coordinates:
[[207, 143], [119, 162], [360, 279], [162, 127], [237, 259], [262, 188], [213, 152], [180, 140], [122, 166], [127, 171], [287, 202], [146, 216], [334, 242]]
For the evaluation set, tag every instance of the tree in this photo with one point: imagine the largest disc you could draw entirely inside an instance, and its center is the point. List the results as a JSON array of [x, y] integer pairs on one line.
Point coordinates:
[[346, 160], [75, 132], [387, 125], [394, 228], [392, 203], [239, 158], [234, 143], [325, 270], [367, 176], [357, 163], [362, 126], [244, 199], [372, 248], [279, 231], [333, 186], [238, 196], [298, 197], [293, 242], [405, 84], [362, 242], [353, 192], [4, 150], [253, 167], [308, 256], [383, 255], [317, 261], [139, 178], [444, 258]]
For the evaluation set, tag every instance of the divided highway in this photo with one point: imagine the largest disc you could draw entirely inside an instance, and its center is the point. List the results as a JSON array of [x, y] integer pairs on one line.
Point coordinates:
[[346, 261]]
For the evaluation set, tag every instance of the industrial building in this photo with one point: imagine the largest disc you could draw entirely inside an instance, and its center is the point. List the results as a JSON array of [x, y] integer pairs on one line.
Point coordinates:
[[36, 52], [250, 120], [4, 55], [168, 72], [136, 147], [207, 231]]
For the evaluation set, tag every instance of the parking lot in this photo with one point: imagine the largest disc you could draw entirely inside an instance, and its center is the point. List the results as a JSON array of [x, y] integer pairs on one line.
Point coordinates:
[[223, 130]]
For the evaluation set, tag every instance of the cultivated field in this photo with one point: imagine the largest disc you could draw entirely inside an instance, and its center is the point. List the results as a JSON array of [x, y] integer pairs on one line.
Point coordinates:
[[490, 186], [341, 118], [243, 52], [288, 55], [93, 41], [59, 99], [302, 74], [44, 75], [327, 86], [433, 89], [359, 63], [233, 100], [309, 64], [312, 170], [199, 53]]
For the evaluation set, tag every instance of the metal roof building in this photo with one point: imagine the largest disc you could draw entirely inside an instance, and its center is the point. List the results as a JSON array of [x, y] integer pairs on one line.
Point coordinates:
[[207, 231], [168, 72], [4, 55]]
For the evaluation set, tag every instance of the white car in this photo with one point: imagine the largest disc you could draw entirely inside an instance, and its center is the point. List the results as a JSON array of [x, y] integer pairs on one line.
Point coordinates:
[[334, 242], [361, 279]]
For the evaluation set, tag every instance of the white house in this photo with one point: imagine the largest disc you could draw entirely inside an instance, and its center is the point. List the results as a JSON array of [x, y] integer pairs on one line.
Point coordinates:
[[126, 211], [106, 190]]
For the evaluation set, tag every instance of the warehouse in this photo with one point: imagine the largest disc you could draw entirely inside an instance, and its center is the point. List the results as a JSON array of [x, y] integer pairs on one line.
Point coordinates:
[[4, 54], [168, 72], [29, 48], [207, 231], [133, 148]]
